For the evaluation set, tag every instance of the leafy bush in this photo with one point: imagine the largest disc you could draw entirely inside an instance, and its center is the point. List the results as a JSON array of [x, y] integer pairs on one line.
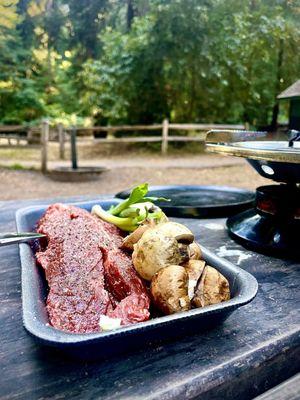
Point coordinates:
[[111, 61]]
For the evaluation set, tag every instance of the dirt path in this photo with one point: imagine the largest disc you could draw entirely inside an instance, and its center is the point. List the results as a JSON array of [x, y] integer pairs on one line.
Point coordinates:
[[127, 160], [32, 184]]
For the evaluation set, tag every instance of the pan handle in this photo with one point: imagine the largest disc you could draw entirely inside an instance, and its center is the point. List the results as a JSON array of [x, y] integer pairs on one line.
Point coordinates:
[[229, 136]]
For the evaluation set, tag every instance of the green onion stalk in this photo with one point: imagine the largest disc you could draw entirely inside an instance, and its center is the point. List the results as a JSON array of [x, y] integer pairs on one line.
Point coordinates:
[[133, 211]]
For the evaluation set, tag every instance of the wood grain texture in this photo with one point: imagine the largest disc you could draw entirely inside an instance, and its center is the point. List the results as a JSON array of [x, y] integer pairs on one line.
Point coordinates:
[[256, 348]]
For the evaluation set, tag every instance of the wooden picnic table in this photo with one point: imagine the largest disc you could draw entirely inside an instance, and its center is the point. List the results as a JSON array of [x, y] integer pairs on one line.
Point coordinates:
[[255, 349]]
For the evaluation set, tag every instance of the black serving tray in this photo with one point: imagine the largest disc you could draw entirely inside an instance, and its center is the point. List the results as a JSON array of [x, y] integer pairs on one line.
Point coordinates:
[[197, 201], [243, 288]]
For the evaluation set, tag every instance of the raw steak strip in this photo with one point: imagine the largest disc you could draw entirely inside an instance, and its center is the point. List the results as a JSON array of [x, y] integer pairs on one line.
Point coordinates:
[[80, 287], [125, 285]]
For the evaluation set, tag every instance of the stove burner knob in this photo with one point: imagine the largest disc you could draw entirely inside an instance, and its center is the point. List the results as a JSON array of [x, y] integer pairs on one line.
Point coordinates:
[[267, 170]]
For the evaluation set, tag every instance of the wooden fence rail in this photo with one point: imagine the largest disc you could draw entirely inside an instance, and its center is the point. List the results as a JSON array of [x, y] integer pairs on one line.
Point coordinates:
[[164, 138], [63, 134]]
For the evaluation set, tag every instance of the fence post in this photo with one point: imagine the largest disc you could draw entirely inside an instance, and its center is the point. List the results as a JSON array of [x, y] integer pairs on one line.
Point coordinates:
[[29, 135], [110, 134], [74, 148], [44, 144], [165, 133], [61, 138]]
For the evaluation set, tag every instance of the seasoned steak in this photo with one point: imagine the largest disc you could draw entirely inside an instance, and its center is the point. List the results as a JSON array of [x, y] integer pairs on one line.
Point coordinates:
[[126, 287], [87, 272]]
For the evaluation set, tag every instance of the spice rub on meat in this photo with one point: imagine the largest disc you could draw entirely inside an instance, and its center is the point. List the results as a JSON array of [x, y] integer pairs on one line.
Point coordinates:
[[87, 272]]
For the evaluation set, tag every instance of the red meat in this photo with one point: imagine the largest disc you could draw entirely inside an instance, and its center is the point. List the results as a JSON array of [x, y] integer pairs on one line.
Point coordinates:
[[87, 272], [126, 287]]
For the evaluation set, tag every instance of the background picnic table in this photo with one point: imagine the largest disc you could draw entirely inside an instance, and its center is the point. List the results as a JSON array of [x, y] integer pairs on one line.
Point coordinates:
[[256, 348]]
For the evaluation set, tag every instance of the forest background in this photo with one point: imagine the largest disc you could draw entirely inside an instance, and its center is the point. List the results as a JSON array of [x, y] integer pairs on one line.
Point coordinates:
[[139, 61]]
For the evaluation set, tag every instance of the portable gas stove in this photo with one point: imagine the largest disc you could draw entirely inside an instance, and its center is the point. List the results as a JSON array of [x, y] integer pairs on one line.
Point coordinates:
[[273, 225]]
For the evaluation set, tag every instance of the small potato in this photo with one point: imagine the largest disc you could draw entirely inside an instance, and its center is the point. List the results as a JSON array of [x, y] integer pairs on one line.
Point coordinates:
[[169, 289], [213, 288], [195, 251]]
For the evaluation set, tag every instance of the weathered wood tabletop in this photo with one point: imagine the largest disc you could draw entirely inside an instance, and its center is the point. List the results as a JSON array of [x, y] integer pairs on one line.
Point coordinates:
[[256, 348]]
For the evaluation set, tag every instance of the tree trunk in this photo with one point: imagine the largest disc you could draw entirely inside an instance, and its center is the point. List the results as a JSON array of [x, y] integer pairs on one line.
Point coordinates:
[[130, 14], [275, 111]]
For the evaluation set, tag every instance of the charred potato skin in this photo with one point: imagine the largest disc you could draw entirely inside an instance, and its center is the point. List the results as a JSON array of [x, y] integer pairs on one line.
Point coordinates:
[[169, 290], [213, 288]]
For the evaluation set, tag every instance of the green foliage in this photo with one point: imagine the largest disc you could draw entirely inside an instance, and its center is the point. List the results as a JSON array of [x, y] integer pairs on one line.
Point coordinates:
[[212, 61], [16, 167], [141, 61], [8, 15]]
